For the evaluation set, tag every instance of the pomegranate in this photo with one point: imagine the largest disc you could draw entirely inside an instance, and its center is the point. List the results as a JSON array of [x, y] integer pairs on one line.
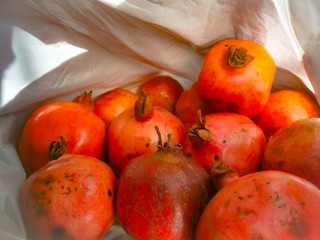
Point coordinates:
[[263, 205], [230, 138], [110, 104], [72, 197], [132, 132], [161, 195], [84, 132], [236, 76], [189, 104], [296, 149], [163, 90], [284, 107]]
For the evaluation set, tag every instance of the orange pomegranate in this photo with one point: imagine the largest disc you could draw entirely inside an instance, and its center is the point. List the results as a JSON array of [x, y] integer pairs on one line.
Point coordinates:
[[284, 107], [237, 76]]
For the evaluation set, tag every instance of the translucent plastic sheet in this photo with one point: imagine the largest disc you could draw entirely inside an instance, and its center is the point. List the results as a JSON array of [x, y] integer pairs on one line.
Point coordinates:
[[56, 49]]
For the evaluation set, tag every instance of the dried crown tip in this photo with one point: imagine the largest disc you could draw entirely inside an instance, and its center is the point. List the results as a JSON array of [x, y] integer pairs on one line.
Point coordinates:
[[168, 146], [86, 99], [143, 107], [238, 57], [57, 149]]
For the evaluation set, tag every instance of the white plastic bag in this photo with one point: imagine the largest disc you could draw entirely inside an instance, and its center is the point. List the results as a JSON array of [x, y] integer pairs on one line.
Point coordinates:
[[53, 49]]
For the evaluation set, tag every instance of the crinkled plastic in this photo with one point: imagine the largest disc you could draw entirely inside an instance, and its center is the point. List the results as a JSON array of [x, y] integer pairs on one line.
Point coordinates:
[[54, 50]]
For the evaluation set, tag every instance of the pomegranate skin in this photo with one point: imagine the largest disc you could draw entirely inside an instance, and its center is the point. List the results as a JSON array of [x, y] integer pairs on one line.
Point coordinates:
[[129, 137], [263, 205], [188, 106], [295, 149], [231, 138], [84, 132], [163, 90], [110, 104], [161, 196], [284, 107], [70, 198]]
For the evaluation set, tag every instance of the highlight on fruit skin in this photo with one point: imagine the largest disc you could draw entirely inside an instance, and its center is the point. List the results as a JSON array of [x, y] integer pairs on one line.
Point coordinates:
[[236, 76]]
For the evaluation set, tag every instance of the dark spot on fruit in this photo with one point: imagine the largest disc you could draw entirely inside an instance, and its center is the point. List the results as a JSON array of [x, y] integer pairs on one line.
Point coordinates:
[[249, 196], [277, 197], [219, 101], [40, 209], [281, 163], [281, 205], [224, 141], [189, 155], [62, 187], [277, 150], [256, 236], [129, 156], [244, 212], [216, 157], [43, 193], [147, 144], [137, 153], [110, 193], [75, 189], [244, 129], [69, 176], [51, 188], [49, 201], [303, 204], [208, 156], [47, 180], [58, 232], [240, 198], [69, 191], [268, 182], [299, 228], [232, 107]]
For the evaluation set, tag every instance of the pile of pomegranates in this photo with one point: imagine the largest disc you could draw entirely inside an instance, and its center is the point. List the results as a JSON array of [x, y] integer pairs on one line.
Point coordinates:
[[225, 158]]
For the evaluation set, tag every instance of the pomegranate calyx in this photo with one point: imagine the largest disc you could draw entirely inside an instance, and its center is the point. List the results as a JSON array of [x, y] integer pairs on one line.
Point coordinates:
[[238, 57], [85, 99], [198, 133], [199, 136], [143, 107], [57, 149], [222, 175], [168, 147], [219, 169]]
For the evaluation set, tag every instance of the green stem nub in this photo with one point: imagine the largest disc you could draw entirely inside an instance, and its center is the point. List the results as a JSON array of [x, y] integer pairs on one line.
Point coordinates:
[[57, 149], [238, 57]]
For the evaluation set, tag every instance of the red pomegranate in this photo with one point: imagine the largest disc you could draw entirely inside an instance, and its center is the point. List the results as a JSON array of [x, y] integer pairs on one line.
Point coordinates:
[[84, 132], [161, 195], [163, 90], [132, 133], [188, 106], [72, 197], [295, 149], [284, 107], [263, 205], [230, 138]]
